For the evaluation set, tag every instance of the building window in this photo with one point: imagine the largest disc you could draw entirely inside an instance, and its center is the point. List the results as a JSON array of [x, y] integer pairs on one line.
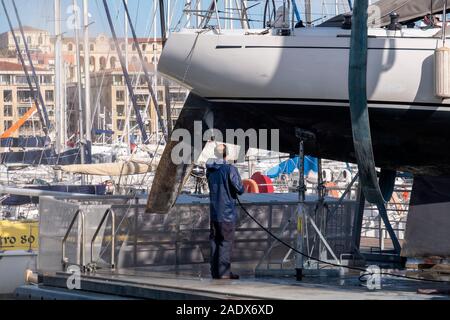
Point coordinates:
[[123, 46], [120, 124], [18, 40], [41, 40], [29, 40], [120, 110], [47, 79], [28, 125], [134, 47], [5, 79], [102, 63], [92, 63], [112, 47], [120, 95], [21, 80], [7, 124], [8, 111], [49, 95], [91, 47], [70, 47], [112, 62], [144, 47], [80, 47], [118, 80], [22, 110], [141, 98], [7, 96], [24, 96]]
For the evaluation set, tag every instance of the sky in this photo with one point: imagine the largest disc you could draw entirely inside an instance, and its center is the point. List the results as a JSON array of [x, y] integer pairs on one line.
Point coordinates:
[[40, 14]]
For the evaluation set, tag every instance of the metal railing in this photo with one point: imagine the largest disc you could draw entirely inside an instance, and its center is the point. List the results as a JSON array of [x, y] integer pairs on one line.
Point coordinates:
[[113, 237], [65, 260]]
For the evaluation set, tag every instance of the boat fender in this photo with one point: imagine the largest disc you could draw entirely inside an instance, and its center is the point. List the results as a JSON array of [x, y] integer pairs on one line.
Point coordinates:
[[346, 175], [250, 186], [327, 175], [331, 189], [442, 72]]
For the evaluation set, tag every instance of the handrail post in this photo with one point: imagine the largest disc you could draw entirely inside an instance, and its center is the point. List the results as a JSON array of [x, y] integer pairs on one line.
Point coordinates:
[[113, 236], [65, 260]]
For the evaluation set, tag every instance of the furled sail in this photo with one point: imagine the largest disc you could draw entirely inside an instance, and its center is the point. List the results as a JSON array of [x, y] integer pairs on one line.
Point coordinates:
[[110, 169], [408, 10]]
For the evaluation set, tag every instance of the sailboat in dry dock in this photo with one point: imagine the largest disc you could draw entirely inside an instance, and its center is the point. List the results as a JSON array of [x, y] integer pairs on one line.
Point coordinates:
[[282, 77]]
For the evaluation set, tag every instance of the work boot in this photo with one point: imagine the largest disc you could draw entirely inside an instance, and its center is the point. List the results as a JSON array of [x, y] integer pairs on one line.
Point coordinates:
[[231, 276]]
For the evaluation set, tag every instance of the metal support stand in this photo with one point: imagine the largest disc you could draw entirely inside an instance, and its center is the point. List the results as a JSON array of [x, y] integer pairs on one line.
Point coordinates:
[[301, 211]]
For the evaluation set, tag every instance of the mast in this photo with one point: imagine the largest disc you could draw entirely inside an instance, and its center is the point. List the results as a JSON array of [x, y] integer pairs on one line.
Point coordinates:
[[168, 129], [144, 66], [168, 15], [80, 91], [127, 94], [188, 6], [308, 12], [87, 76], [59, 113], [155, 77], [38, 94], [123, 63]]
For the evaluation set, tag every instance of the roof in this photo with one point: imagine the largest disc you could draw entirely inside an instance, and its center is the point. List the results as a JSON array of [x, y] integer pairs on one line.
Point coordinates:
[[28, 28], [121, 40], [15, 67], [132, 68]]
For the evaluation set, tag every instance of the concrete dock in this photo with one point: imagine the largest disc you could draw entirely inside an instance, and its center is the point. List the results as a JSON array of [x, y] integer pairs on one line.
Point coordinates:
[[196, 284]]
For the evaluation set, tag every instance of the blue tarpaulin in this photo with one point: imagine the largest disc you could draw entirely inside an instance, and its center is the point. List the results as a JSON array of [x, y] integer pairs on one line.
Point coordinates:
[[288, 166], [99, 132]]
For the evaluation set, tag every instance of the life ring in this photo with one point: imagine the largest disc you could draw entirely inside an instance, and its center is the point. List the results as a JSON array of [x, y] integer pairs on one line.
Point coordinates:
[[250, 186], [265, 184], [331, 191]]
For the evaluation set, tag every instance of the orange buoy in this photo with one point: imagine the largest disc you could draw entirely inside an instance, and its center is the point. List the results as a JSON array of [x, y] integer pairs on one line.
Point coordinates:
[[331, 191], [250, 186], [265, 184]]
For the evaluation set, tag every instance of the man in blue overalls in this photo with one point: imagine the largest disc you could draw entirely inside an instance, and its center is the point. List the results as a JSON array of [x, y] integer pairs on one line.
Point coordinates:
[[225, 185]]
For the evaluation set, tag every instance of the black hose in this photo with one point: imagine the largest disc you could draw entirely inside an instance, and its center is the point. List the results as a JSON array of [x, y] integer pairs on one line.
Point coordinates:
[[365, 272]]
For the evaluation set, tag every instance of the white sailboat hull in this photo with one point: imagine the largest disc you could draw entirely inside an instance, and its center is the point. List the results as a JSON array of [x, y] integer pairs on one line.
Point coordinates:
[[301, 81]]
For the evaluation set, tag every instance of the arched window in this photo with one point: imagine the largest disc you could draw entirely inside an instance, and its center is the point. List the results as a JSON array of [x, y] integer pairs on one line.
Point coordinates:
[[112, 62], [29, 40], [102, 63], [80, 47], [70, 47], [113, 47], [92, 47], [144, 47], [92, 63], [41, 40], [82, 63]]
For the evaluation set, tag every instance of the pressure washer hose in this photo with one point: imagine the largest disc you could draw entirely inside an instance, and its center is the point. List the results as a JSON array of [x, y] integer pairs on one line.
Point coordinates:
[[365, 273]]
